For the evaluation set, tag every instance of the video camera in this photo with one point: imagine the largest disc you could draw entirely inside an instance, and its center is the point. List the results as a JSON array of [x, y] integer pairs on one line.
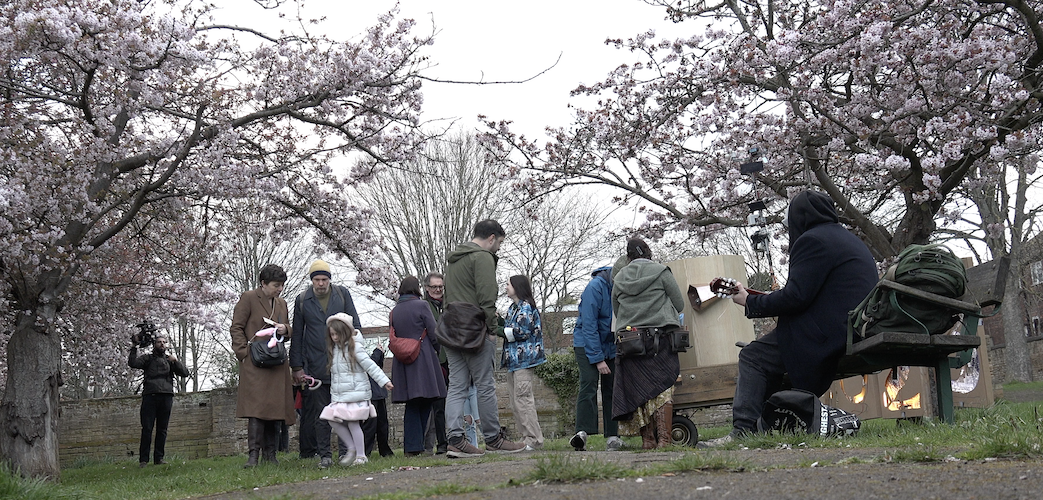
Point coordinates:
[[146, 334]]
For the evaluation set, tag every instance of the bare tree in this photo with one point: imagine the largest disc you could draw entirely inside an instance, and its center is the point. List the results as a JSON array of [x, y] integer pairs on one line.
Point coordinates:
[[425, 207], [558, 244], [1007, 217], [249, 248]]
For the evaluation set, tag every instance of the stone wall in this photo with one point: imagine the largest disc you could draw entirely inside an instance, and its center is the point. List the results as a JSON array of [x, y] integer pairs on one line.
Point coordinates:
[[998, 362], [203, 424]]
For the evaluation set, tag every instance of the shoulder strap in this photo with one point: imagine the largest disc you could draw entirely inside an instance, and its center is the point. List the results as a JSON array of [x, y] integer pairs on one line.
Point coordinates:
[[391, 325]]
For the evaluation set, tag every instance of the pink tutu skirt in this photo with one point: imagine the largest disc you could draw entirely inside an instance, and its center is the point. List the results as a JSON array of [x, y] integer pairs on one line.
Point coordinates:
[[347, 412]]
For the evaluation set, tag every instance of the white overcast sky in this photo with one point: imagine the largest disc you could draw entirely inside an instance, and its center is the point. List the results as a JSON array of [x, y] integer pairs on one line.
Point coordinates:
[[489, 41], [503, 41]]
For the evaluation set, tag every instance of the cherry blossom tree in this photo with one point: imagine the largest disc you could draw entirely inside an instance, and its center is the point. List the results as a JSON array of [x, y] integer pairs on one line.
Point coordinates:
[[887, 106], [114, 111]]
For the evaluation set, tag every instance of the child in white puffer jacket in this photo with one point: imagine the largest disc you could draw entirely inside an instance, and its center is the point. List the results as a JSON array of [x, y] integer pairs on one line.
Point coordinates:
[[350, 369]]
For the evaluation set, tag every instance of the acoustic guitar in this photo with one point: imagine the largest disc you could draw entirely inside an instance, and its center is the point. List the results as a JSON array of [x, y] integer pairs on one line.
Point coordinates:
[[728, 286]]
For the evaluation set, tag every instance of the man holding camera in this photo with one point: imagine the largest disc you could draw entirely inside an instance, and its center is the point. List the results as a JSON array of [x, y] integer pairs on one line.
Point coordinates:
[[157, 393]]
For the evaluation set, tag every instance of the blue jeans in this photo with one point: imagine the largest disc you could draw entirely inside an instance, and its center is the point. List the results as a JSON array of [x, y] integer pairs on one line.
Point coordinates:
[[760, 375], [414, 423], [466, 368]]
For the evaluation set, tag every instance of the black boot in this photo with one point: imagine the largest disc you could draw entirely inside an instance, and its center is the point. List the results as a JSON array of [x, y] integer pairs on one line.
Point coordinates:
[[254, 435], [271, 441]]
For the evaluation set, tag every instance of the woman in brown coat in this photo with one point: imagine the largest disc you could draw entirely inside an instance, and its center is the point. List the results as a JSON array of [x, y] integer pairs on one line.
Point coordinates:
[[265, 394]]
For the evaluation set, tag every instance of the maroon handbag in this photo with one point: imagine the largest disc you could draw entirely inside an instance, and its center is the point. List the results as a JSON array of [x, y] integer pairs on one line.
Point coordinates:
[[406, 350]]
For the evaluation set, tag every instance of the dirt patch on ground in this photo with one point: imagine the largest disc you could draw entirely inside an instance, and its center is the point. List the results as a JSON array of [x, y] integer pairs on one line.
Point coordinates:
[[781, 474], [777, 474], [1023, 395]]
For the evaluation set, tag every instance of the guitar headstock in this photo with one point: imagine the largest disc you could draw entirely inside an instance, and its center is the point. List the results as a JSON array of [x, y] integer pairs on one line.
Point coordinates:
[[724, 286]]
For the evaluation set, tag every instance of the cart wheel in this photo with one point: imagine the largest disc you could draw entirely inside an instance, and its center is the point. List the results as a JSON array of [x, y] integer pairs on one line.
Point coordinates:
[[683, 431]]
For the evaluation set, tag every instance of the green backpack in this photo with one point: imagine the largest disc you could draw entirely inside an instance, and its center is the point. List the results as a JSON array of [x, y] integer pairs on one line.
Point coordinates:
[[930, 268]]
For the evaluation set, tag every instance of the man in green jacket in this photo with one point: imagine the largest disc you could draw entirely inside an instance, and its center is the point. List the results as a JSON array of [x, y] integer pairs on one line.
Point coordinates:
[[470, 276]]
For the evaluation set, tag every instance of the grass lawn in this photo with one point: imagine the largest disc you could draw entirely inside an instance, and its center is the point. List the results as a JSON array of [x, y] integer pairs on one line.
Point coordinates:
[[1005, 430]]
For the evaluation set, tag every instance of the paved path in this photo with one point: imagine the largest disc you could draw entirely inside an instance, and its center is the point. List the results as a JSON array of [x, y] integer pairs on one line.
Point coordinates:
[[769, 474]]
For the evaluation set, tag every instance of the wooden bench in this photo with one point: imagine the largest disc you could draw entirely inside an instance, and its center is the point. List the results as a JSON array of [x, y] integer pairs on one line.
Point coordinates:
[[985, 287]]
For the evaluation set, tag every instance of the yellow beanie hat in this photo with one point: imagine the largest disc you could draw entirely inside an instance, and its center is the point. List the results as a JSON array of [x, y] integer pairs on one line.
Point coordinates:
[[319, 267]]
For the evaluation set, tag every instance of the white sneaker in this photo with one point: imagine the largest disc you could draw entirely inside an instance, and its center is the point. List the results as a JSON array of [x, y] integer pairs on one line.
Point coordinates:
[[348, 458], [361, 461], [613, 443], [716, 443], [579, 441]]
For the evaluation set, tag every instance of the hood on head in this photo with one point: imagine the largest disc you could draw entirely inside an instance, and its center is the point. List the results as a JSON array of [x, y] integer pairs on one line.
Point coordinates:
[[638, 276], [603, 271], [807, 210]]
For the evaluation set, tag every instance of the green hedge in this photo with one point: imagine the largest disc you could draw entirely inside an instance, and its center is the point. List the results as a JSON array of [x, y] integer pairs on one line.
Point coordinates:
[[561, 374]]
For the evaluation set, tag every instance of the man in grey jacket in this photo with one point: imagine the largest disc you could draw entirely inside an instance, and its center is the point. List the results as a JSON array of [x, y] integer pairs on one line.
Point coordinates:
[[308, 356]]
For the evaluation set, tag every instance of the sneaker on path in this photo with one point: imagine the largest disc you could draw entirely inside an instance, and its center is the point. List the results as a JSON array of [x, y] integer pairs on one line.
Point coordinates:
[[503, 445], [463, 450], [715, 443], [613, 443], [579, 441]]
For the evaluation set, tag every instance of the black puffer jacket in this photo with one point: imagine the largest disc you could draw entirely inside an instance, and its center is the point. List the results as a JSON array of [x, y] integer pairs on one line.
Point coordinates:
[[159, 371]]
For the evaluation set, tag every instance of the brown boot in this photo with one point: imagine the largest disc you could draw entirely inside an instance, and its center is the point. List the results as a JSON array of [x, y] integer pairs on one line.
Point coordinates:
[[648, 437], [271, 441], [664, 422], [254, 434]]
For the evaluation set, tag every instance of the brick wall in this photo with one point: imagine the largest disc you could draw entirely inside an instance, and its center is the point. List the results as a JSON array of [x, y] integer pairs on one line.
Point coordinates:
[[203, 424]]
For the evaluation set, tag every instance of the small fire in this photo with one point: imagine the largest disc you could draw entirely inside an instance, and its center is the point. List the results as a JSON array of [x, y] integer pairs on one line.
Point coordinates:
[[857, 398], [895, 382]]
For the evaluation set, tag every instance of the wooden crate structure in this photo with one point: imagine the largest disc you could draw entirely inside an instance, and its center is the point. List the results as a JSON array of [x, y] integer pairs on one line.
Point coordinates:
[[710, 366]]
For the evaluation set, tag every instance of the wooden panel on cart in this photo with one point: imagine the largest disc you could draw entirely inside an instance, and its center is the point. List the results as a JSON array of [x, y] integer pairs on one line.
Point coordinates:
[[715, 324], [706, 386]]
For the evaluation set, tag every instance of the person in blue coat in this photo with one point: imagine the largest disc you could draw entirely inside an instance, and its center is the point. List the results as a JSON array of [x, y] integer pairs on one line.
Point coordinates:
[[830, 272], [595, 350]]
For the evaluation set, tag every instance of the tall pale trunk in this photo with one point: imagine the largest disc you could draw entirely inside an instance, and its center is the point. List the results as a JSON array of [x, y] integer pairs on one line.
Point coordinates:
[[1016, 353], [29, 411]]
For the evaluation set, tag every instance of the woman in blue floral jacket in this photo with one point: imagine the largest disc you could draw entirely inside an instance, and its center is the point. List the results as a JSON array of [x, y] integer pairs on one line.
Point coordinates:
[[523, 351]]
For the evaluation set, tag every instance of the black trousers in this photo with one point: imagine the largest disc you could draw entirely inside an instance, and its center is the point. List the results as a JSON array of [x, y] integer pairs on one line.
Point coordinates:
[[155, 413], [315, 433], [435, 433], [376, 429]]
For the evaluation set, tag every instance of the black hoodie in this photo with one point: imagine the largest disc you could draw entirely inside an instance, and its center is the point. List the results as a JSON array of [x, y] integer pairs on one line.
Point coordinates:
[[831, 271], [807, 210]]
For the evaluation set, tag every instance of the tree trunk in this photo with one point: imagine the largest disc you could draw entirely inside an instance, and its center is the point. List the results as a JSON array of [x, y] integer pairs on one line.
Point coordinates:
[[29, 411], [1016, 352]]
